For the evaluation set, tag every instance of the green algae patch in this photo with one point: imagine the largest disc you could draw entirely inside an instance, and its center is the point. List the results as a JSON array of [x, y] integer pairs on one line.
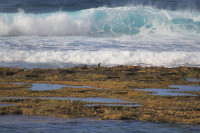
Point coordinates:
[[120, 82]]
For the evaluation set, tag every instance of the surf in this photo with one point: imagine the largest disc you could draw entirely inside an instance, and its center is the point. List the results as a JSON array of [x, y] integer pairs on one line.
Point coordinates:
[[103, 21], [38, 6], [106, 57]]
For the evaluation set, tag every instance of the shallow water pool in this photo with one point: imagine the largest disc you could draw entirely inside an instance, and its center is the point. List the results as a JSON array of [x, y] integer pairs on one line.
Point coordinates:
[[124, 105], [43, 86], [192, 80], [90, 99], [179, 90], [6, 105]]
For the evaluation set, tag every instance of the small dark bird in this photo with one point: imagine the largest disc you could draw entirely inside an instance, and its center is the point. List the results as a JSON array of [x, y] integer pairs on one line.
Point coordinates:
[[99, 65]]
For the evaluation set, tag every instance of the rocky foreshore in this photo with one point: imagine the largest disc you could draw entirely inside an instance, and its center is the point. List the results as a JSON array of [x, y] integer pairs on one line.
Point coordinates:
[[117, 82]]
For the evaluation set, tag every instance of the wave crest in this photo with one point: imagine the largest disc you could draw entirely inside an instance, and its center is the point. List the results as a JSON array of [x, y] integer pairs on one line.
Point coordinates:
[[101, 22]]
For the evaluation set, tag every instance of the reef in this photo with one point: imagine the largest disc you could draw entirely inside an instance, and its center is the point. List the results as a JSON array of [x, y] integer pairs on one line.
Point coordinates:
[[112, 82]]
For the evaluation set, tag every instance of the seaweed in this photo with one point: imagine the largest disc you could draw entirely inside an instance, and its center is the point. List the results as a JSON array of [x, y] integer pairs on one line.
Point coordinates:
[[120, 81]]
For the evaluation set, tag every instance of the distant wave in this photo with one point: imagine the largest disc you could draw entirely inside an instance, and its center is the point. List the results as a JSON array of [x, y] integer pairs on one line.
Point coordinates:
[[102, 21], [45, 6]]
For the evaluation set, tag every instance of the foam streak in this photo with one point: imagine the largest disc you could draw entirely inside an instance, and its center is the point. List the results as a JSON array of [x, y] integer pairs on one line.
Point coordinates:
[[146, 58]]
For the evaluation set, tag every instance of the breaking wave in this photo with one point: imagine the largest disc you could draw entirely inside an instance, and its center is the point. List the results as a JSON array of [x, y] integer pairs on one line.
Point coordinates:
[[139, 57], [103, 21]]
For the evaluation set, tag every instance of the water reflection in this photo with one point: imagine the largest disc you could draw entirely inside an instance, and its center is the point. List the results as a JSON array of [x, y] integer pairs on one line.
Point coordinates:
[[44, 86], [22, 123], [179, 90], [165, 92], [90, 99], [193, 80], [124, 105], [195, 88], [83, 86], [6, 105]]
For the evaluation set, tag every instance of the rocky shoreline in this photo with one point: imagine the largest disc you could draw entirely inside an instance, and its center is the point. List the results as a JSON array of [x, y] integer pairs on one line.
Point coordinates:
[[119, 82]]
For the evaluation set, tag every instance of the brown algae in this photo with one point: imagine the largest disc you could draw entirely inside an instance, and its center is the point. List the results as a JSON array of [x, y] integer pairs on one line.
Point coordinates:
[[119, 80]]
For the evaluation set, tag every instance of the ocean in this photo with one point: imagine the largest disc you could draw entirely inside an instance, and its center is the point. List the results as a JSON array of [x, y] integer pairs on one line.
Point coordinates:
[[66, 33], [46, 124]]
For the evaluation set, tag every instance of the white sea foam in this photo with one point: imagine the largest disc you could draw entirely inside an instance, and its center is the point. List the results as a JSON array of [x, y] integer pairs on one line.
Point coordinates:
[[55, 24], [111, 36], [107, 58], [101, 22]]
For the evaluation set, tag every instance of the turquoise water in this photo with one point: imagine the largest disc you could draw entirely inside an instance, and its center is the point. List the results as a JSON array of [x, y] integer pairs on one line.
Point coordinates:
[[55, 34], [66, 33]]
